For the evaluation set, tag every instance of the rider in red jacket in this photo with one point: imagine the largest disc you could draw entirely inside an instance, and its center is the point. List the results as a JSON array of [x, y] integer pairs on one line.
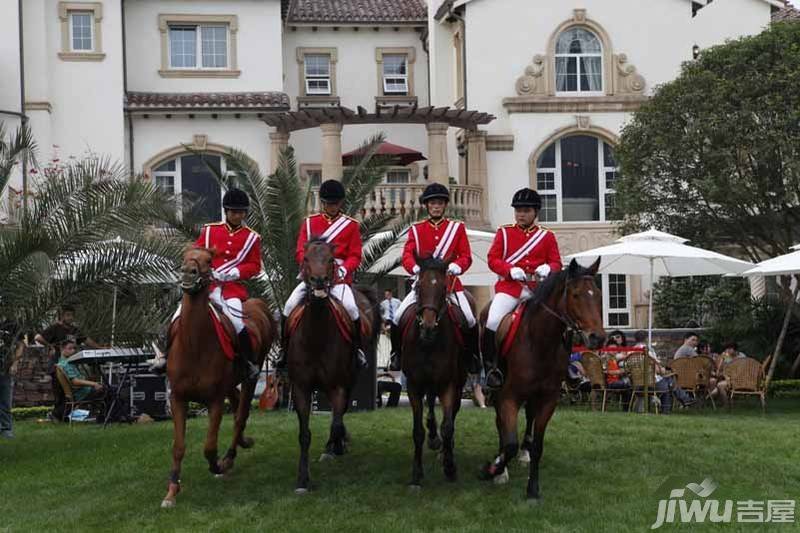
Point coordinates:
[[521, 254], [443, 238], [237, 257]]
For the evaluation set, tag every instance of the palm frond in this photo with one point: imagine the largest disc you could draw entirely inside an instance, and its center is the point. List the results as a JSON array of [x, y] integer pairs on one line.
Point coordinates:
[[361, 179], [20, 148]]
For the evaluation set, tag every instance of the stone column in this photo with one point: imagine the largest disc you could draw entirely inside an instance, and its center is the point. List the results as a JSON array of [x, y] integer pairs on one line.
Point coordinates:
[[477, 170], [331, 151], [438, 170], [279, 141]]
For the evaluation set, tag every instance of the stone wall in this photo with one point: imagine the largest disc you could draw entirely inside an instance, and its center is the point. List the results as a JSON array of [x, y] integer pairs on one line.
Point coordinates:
[[33, 384]]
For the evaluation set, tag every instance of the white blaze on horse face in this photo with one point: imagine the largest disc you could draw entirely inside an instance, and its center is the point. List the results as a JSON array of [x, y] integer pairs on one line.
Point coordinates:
[[433, 282], [591, 292], [320, 293]]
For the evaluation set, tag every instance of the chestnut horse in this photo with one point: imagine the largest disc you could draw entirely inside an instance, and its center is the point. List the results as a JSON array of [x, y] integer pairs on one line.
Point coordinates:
[[319, 357], [434, 363], [566, 302], [199, 371]]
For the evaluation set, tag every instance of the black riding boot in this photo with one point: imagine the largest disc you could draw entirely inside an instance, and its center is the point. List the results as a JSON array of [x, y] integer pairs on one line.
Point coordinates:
[[397, 345], [494, 377], [246, 355], [159, 366], [358, 348], [280, 362], [472, 350]]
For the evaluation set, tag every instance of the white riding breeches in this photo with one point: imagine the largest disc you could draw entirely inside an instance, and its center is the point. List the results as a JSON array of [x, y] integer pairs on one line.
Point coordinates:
[[502, 304], [231, 308], [341, 292], [458, 298]]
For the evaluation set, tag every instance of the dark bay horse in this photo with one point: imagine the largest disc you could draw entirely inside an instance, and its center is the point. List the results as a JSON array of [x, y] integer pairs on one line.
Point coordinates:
[[199, 371], [434, 364], [319, 357], [567, 302]]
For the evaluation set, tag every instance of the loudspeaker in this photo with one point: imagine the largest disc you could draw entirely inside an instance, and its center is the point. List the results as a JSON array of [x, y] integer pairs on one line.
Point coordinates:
[[148, 395]]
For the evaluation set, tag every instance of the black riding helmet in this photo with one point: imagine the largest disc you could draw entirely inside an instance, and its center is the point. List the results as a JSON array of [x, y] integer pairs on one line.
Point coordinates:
[[434, 190], [527, 198], [331, 191], [236, 199]]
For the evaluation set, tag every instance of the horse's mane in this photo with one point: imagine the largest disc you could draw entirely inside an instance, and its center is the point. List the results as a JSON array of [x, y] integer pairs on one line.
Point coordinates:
[[431, 263], [317, 239], [545, 289]]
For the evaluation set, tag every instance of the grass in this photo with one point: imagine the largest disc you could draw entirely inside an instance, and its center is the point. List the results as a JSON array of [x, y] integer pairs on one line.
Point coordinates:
[[599, 473]]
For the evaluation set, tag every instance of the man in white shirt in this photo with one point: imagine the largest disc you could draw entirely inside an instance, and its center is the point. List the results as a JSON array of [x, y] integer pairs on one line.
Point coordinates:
[[389, 306]]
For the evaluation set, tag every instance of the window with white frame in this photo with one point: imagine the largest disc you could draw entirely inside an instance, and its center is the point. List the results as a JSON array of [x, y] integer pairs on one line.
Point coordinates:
[[397, 177], [579, 63], [575, 177], [314, 177], [81, 31], [317, 74], [616, 300], [395, 74], [193, 184], [198, 46]]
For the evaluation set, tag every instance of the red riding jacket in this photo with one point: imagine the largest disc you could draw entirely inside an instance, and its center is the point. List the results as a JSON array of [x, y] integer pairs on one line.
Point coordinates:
[[344, 232], [446, 240], [239, 248], [526, 249]]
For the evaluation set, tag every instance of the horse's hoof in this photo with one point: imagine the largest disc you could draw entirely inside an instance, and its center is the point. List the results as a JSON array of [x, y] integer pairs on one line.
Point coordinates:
[[326, 457], [524, 457], [246, 442], [435, 444], [415, 487], [501, 479], [219, 476], [300, 491], [167, 504]]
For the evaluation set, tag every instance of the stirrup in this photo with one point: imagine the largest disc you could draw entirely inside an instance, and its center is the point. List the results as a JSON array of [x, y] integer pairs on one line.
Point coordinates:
[[361, 358]]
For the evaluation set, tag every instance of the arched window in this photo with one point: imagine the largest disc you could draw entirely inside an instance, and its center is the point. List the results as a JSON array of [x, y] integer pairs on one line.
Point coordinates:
[[575, 176], [188, 178], [579, 62]]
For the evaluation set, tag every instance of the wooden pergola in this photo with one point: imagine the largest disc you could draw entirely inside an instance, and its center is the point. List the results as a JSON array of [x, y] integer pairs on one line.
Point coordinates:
[[289, 121]]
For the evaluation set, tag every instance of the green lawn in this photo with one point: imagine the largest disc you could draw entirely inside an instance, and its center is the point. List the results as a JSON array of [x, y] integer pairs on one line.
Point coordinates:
[[599, 473]]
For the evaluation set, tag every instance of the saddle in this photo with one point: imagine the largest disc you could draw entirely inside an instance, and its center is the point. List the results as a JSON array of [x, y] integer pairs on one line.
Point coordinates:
[[226, 333], [509, 327], [343, 320]]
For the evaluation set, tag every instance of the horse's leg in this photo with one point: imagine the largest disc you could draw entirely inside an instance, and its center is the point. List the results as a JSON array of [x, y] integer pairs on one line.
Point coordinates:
[[242, 413], [210, 449], [335, 446], [527, 440], [449, 409], [302, 404], [178, 407], [415, 398], [543, 415], [434, 442], [507, 410]]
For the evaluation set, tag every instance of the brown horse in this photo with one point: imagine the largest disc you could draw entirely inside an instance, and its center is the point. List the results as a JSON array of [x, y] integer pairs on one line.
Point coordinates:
[[565, 303], [434, 364], [319, 357], [199, 371]]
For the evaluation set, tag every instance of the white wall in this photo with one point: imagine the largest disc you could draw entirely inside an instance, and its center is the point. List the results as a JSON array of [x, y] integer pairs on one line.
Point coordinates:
[[156, 134], [9, 51], [729, 19], [258, 43]]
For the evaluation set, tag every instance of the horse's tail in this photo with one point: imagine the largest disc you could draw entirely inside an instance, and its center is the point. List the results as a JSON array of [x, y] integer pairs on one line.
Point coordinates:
[[371, 294]]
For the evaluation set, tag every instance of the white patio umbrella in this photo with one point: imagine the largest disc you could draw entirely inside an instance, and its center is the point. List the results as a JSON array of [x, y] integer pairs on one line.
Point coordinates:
[[783, 265], [477, 275], [654, 253]]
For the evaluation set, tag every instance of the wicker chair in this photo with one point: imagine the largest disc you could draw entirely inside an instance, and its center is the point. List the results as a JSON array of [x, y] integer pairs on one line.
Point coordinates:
[[745, 377], [634, 366], [593, 367], [70, 402]]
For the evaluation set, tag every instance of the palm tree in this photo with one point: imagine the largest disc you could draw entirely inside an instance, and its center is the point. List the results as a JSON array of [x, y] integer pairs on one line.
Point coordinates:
[[280, 202], [60, 249]]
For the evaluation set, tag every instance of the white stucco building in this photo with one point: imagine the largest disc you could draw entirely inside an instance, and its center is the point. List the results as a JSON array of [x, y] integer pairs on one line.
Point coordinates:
[[536, 92]]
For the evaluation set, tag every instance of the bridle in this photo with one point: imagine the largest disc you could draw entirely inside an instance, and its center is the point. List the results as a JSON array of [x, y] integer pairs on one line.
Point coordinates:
[[200, 281], [572, 326], [326, 286], [439, 310]]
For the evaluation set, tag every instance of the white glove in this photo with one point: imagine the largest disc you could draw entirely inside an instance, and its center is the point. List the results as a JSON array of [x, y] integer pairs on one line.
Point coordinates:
[[453, 269], [415, 270], [518, 274], [543, 270], [229, 275], [342, 272]]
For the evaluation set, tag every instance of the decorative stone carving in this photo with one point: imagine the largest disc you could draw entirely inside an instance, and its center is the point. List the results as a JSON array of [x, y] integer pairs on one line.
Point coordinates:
[[533, 81], [583, 122], [199, 142], [626, 79], [579, 15]]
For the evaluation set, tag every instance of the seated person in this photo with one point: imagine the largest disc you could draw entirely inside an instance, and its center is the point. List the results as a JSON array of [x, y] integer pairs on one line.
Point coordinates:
[[665, 386], [615, 378], [730, 353], [387, 384], [689, 346], [618, 338], [576, 374], [82, 387]]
